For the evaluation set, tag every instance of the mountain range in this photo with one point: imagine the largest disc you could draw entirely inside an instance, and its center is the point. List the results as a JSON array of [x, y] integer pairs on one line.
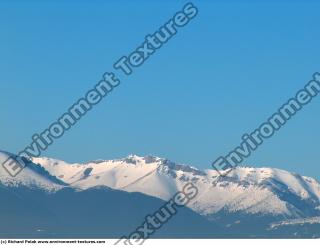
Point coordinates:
[[51, 198]]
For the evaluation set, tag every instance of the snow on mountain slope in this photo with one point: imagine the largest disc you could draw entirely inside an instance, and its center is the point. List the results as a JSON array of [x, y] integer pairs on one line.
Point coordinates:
[[312, 220], [32, 176], [251, 190]]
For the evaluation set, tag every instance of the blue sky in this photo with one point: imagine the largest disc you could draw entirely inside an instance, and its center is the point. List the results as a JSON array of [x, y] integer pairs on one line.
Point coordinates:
[[221, 76]]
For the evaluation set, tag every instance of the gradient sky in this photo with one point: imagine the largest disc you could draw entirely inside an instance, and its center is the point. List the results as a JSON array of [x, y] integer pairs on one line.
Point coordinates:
[[221, 76]]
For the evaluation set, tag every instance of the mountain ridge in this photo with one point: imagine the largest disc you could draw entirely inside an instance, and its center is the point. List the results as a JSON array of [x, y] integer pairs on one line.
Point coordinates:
[[253, 190], [247, 197]]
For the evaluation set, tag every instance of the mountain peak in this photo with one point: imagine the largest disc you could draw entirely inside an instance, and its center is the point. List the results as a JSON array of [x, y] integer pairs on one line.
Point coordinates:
[[134, 159], [245, 189]]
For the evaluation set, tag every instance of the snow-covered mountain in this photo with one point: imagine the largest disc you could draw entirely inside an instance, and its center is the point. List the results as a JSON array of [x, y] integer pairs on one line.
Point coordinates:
[[34, 176], [263, 191], [248, 201]]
